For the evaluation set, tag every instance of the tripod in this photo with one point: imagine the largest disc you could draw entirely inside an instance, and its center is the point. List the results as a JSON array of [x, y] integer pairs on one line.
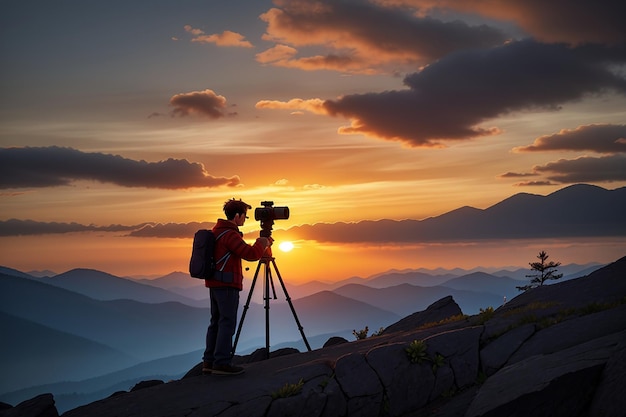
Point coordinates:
[[268, 261]]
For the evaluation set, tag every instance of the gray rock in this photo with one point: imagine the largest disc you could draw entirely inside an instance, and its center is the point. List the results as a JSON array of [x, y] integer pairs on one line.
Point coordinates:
[[335, 340], [39, 406], [360, 384], [610, 397], [460, 349], [572, 332], [439, 310], [497, 353], [408, 385], [558, 384]]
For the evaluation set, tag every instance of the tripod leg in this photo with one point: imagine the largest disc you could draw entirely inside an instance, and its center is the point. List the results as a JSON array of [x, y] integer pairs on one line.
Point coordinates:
[[245, 309], [293, 310], [268, 279]]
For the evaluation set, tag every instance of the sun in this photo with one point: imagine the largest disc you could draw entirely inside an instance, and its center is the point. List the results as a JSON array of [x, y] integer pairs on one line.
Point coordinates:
[[286, 246]]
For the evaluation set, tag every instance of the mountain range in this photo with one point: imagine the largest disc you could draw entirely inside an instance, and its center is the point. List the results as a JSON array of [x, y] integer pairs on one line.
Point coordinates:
[[85, 333], [579, 210]]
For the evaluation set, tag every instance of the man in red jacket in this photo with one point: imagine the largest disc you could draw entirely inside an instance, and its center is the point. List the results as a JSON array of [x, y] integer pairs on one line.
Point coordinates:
[[224, 287]]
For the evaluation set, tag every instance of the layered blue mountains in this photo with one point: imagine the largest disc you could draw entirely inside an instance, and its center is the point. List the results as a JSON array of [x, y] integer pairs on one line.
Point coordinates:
[[85, 334]]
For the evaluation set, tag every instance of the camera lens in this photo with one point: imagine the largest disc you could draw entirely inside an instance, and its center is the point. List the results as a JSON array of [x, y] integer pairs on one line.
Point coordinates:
[[281, 213]]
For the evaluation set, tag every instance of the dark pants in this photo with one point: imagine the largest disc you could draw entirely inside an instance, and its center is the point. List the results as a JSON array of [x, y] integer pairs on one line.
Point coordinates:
[[219, 335]]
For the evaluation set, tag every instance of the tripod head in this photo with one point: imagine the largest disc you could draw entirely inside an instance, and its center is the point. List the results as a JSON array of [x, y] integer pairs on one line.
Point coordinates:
[[266, 228], [267, 214]]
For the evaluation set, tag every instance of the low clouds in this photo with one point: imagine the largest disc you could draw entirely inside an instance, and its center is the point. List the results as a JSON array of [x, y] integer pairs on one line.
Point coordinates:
[[31, 167], [606, 139], [204, 103], [564, 213], [595, 138], [585, 169], [15, 227]]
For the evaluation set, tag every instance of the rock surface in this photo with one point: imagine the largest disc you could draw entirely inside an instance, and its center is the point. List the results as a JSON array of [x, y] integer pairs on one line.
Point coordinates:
[[557, 350]]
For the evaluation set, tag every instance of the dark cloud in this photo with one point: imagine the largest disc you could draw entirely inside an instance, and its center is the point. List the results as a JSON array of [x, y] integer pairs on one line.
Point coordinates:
[[586, 169], [453, 97], [204, 103], [55, 166], [15, 227], [571, 21], [533, 183], [597, 138], [372, 34], [517, 174]]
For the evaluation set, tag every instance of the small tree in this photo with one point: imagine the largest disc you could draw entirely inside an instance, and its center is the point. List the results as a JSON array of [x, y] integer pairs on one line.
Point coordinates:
[[544, 272]]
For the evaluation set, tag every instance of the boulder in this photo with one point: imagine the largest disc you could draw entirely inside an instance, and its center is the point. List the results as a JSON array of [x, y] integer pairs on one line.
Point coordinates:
[[39, 406]]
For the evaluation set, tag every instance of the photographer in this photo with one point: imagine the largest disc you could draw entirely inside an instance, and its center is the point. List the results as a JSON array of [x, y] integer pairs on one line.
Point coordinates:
[[224, 288]]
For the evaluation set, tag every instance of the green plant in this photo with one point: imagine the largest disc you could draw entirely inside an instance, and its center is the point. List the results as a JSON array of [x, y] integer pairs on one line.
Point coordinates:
[[438, 362], [361, 334], [288, 390], [324, 383], [416, 351], [485, 314]]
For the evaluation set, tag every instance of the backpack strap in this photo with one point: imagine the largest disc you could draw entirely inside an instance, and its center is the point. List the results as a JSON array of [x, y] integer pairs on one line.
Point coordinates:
[[226, 256]]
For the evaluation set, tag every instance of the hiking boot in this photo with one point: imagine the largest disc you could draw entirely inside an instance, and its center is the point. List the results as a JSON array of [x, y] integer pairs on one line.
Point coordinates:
[[227, 370], [207, 367]]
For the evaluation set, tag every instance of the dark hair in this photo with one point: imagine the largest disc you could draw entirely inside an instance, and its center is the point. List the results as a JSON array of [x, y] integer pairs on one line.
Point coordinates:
[[233, 207]]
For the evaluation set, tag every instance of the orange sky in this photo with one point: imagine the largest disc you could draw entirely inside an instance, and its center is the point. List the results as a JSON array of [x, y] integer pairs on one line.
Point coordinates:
[[344, 112]]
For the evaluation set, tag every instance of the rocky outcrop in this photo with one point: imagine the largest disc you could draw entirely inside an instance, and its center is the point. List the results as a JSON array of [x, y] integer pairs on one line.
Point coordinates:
[[552, 351]]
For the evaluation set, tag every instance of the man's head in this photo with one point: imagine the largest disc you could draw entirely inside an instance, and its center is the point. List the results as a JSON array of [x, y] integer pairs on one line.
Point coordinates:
[[233, 207]]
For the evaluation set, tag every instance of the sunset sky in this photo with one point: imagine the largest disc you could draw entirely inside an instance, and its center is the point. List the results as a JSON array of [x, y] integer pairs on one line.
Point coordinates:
[[125, 124]]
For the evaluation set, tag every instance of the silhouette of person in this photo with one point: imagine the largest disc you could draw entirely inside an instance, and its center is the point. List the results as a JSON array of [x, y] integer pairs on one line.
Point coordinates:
[[225, 286]]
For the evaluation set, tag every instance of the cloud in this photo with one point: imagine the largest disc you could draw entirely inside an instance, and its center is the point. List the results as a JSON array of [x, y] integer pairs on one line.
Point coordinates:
[[361, 36], [451, 98], [278, 53], [517, 175], [605, 138], [575, 22], [204, 103], [226, 38], [170, 230], [16, 227], [314, 105], [30, 167], [533, 183], [586, 169]]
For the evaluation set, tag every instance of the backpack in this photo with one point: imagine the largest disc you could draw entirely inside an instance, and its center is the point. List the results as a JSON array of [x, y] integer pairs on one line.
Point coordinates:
[[202, 263]]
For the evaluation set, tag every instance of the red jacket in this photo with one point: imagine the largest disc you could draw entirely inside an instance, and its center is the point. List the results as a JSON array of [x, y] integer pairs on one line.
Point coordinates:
[[232, 241]]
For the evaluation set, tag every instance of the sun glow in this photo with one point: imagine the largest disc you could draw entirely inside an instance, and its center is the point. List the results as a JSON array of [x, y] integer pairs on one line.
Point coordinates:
[[286, 246]]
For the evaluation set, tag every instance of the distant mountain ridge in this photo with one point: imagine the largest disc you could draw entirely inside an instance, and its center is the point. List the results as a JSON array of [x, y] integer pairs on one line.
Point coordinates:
[[579, 210], [103, 286], [131, 333]]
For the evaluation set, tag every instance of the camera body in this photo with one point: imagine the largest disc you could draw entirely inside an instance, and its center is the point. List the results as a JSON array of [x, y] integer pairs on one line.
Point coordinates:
[[267, 214]]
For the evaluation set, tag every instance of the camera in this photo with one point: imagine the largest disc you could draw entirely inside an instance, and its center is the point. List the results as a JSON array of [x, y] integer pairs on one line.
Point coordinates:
[[268, 212]]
